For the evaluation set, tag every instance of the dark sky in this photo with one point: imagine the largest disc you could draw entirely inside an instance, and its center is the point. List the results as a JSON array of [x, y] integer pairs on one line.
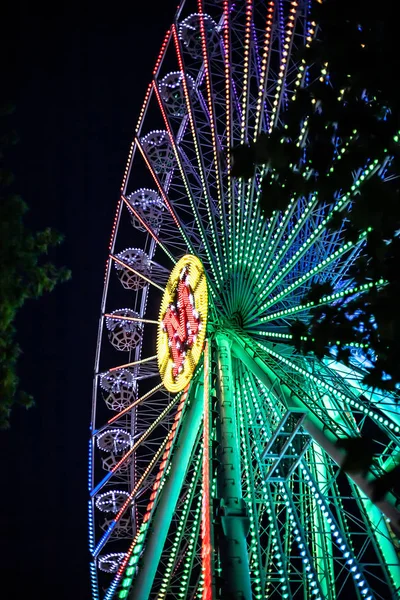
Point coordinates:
[[77, 77]]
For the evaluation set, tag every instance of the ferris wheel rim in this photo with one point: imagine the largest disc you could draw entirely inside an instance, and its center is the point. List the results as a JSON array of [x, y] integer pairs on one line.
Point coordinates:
[[219, 266]]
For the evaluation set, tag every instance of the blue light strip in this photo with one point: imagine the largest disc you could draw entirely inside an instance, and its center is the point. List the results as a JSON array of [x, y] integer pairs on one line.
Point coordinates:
[[352, 564], [94, 582], [102, 482], [111, 590], [90, 465], [104, 538], [91, 527], [90, 507]]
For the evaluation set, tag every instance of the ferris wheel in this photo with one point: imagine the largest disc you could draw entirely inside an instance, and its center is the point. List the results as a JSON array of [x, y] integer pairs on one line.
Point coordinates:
[[214, 465]]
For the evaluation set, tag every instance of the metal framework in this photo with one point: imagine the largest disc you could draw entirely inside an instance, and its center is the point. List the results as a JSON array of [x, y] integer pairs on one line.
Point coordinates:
[[232, 488]]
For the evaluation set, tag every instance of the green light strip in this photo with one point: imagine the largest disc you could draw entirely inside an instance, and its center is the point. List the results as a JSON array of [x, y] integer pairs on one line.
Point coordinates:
[[253, 239], [278, 255], [272, 244], [324, 300], [191, 552], [173, 550], [314, 271], [310, 574], [321, 530], [273, 530], [379, 529], [326, 386], [311, 273], [256, 563], [304, 338], [137, 549], [340, 205]]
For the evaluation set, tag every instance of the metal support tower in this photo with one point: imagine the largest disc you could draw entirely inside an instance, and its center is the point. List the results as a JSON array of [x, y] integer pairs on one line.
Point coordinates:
[[235, 583]]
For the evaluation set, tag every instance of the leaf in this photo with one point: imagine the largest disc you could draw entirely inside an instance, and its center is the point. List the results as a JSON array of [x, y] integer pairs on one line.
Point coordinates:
[[23, 275], [359, 454], [385, 483], [243, 161], [317, 291]]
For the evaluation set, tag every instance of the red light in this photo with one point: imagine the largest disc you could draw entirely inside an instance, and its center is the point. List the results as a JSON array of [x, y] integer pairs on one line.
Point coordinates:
[[181, 324]]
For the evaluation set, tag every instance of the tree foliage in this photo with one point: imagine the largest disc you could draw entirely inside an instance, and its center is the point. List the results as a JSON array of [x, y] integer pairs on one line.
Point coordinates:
[[24, 274], [350, 117]]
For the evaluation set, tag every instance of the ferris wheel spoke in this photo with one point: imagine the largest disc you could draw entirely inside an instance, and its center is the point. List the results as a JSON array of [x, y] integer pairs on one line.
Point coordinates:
[[210, 103], [367, 397], [133, 448], [261, 114], [100, 545], [322, 565], [136, 490], [198, 155], [252, 249], [264, 240], [255, 258], [298, 308], [137, 273], [134, 363], [164, 196], [278, 252], [131, 557], [136, 403], [148, 229], [318, 269], [134, 319], [247, 47], [377, 535], [286, 41], [184, 586], [190, 195], [353, 515], [213, 123], [312, 238], [229, 205]]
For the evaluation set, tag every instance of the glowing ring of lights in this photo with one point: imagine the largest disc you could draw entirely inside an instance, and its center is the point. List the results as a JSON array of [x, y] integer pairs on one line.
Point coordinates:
[[185, 299]]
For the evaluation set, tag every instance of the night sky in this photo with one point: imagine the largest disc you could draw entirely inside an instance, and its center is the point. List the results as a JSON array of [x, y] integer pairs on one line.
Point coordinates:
[[77, 77]]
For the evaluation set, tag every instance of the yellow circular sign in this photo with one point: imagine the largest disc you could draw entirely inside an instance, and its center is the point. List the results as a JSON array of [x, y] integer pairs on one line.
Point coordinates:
[[183, 321]]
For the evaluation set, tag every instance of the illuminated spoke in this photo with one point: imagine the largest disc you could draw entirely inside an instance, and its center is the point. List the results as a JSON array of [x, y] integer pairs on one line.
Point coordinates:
[[134, 363], [148, 229], [134, 319]]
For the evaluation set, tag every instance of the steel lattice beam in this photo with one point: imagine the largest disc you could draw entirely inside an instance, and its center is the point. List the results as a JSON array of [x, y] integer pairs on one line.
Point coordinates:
[[325, 438], [168, 497], [232, 508]]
